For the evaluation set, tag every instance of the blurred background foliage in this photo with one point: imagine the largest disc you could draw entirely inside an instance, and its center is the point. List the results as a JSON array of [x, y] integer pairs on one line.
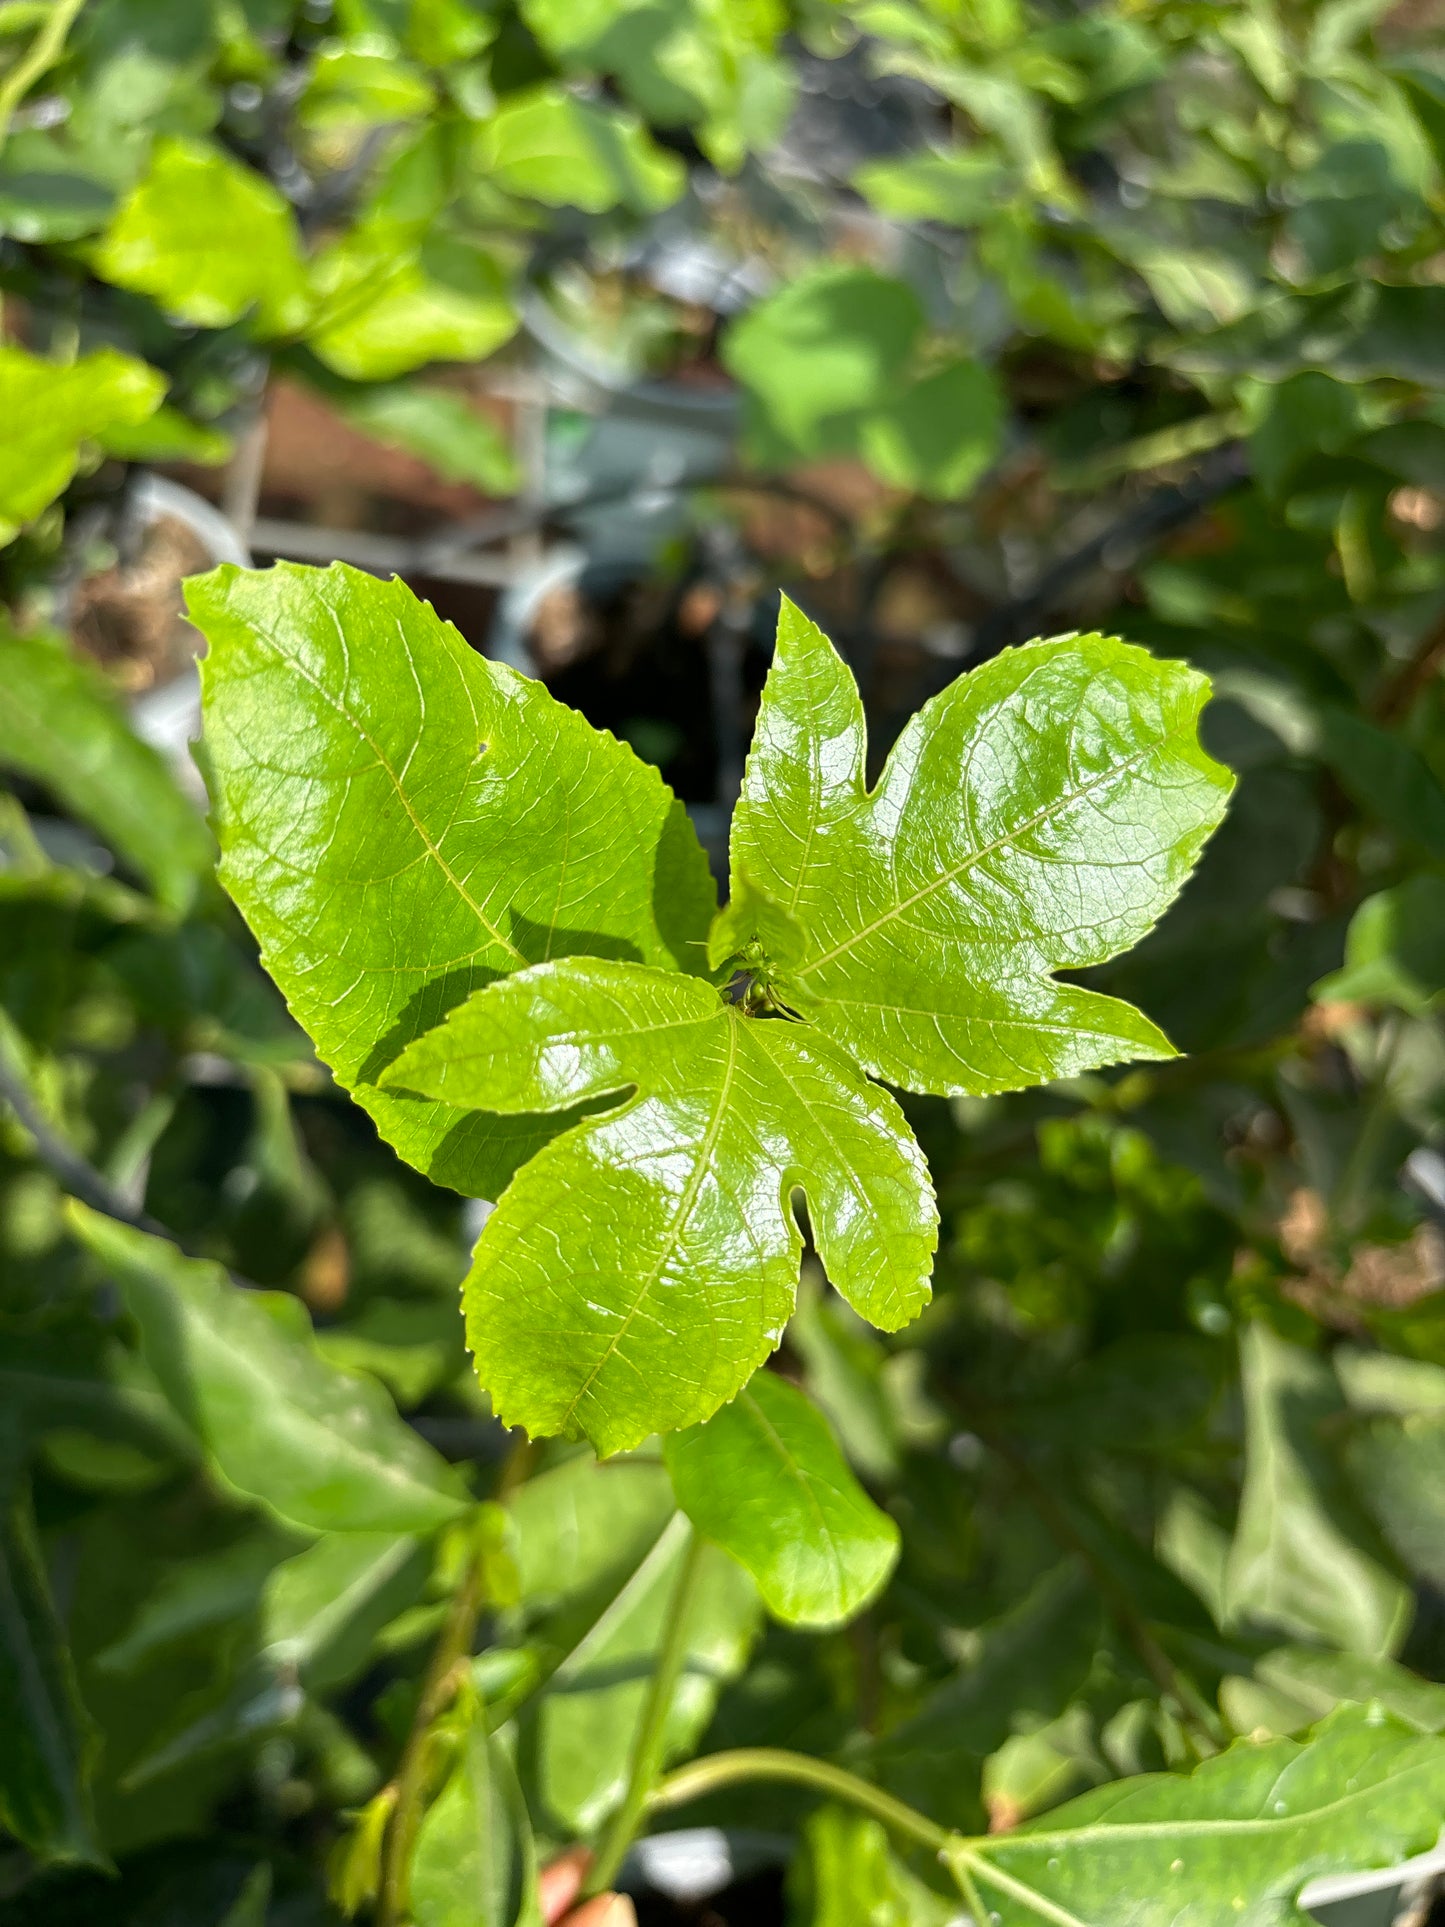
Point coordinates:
[[601, 320]]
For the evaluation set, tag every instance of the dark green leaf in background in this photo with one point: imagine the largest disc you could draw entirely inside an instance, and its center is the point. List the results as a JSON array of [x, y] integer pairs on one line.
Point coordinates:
[[319, 1448]]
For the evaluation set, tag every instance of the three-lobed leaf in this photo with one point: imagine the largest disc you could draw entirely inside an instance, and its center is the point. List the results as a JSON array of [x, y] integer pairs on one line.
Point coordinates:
[[1041, 814], [764, 1479], [491, 918], [642, 1266]]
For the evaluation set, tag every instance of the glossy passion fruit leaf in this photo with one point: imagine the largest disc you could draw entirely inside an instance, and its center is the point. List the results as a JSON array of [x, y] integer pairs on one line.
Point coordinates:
[[1040, 814], [402, 821], [638, 1270]]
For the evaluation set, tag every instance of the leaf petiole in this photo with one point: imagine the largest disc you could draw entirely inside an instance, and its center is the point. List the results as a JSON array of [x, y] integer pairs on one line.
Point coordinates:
[[718, 1770]]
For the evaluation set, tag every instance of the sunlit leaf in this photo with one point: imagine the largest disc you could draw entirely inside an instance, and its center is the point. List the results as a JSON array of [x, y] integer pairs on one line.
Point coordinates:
[[56, 410], [1236, 1840], [764, 1479], [210, 240], [62, 725], [637, 1271], [1040, 814], [401, 833]]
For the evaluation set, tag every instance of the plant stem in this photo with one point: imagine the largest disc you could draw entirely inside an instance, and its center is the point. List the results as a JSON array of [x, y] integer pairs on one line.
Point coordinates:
[[413, 1772], [45, 49], [719, 1770], [647, 1748]]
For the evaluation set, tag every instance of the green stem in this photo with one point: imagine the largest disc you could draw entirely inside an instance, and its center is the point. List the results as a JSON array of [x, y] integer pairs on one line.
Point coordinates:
[[648, 1747], [44, 50], [414, 1772], [720, 1770]]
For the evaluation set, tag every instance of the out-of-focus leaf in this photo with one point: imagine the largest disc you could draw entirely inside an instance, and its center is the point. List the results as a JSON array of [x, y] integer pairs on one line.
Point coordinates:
[[421, 864], [831, 343], [1297, 1561], [1395, 949], [1387, 775], [1040, 814], [475, 1863], [553, 147], [1236, 1840], [1027, 1665], [55, 410], [587, 1717], [764, 1479], [199, 1595], [42, 203], [319, 1448], [847, 1874], [208, 239], [360, 85], [1290, 421], [44, 1758], [386, 305], [940, 434], [1294, 1686], [1398, 1467], [322, 1608], [61, 724], [442, 428], [169, 436], [954, 185]]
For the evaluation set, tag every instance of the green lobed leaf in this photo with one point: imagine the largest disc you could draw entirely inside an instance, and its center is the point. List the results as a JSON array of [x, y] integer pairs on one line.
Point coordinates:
[[641, 1267], [1235, 1841], [44, 1799], [320, 1448], [1041, 813], [53, 410], [764, 1479], [209, 240], [401, 821], [475, 1863], [62, 725]]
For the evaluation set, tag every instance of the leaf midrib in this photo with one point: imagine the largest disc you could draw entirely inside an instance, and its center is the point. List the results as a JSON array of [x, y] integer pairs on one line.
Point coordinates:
[[975, 857], [429, 845], [791, 1465], [675, 1230]]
